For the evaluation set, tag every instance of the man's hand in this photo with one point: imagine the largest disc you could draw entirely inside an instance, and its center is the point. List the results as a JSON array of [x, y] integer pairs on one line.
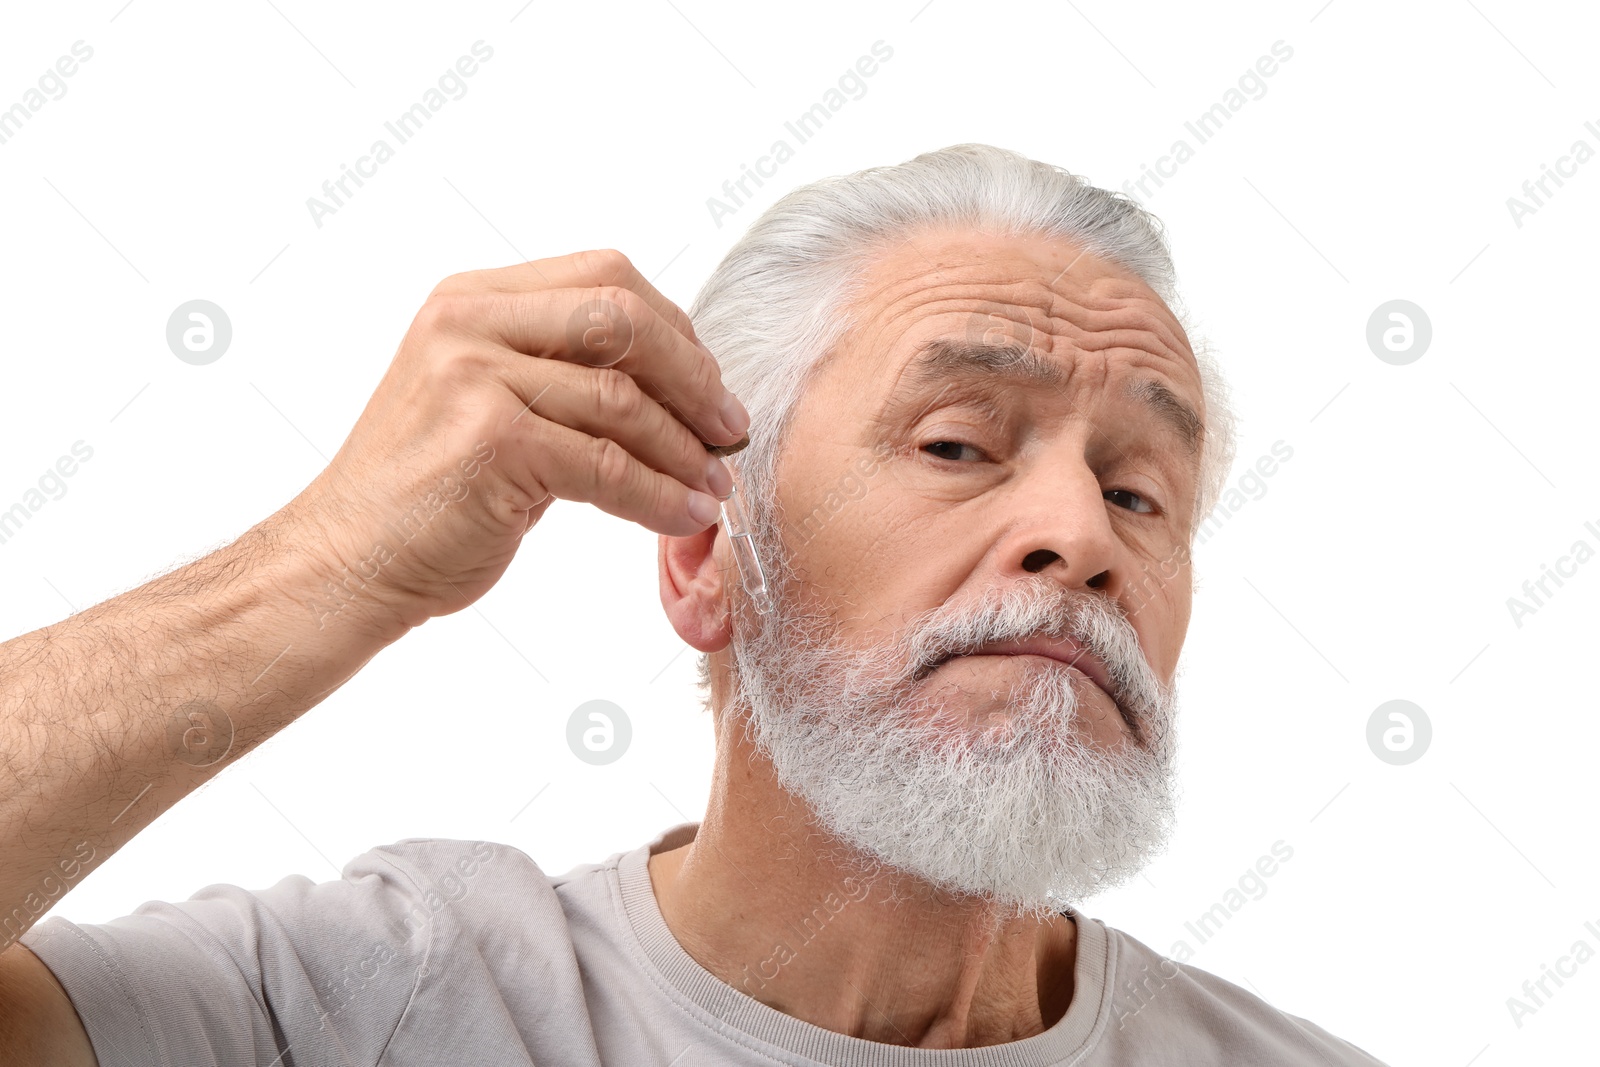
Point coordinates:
[[567, 378]]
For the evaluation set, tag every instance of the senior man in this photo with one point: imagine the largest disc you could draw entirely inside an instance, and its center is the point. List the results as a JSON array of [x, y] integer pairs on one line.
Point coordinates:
[[980, 442]]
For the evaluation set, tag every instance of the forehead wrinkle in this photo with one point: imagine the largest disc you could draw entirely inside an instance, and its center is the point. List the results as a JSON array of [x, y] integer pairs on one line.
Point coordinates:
[[899, 285], [1107, 314], [1142, 353], [1122, 324]]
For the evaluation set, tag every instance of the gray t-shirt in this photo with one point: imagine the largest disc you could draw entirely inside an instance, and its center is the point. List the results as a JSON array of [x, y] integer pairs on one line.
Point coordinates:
[[432, 951]]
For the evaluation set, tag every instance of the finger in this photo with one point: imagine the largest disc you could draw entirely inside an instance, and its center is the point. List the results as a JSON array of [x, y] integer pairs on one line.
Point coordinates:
[[604, 327], [579, 270], [572, 465], [609, 403]]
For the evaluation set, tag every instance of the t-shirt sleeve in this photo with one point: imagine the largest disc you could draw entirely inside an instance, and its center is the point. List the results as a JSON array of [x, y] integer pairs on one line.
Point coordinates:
[[302, 972]]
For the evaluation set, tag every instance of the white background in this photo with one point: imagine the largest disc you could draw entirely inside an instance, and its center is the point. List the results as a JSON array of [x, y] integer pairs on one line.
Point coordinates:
[[1377, 565]]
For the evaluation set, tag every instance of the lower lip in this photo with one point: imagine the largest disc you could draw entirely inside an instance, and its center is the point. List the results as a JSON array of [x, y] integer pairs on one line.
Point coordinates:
[[1062, 663], [1034, 655]]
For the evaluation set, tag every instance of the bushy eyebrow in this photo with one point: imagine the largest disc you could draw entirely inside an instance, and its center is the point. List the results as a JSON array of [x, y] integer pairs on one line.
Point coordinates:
[[943, 358], [1166, 405]]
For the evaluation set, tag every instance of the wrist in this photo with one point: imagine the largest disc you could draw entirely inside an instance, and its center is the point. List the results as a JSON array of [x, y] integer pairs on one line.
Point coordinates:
[[323, 595]]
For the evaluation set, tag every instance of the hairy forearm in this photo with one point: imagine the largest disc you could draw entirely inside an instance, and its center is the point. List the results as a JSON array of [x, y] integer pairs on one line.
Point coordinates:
[[113, 715]]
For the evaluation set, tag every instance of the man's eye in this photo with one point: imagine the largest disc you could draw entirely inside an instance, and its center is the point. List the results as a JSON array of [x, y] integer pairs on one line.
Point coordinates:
[[948, 446], [1140, 504]]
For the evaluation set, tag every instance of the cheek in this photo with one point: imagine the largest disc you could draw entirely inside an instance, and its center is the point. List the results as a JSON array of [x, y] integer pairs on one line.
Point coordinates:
[[856, 533], [1163, 626], [878, 560]]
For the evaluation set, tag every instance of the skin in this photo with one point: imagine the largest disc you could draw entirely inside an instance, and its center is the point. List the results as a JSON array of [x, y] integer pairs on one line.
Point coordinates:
[[494, 406], [1046, 492]]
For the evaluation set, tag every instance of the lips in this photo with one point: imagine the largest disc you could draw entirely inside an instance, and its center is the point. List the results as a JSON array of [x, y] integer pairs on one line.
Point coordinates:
[[1064, 650]]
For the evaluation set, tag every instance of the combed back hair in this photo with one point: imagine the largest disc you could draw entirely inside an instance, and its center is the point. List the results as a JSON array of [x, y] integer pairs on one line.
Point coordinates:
[[783, 296]]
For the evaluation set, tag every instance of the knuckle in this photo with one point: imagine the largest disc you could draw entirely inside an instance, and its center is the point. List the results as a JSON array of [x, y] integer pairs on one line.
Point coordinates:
[[609, 461], [602, 326], [706, 379], [466, 367], [455, 283], [681, 323], [618, 396], [510, 501], [622, 298], [655, 498], [444, 312], [606, 265], [616, 307], [623, 304]]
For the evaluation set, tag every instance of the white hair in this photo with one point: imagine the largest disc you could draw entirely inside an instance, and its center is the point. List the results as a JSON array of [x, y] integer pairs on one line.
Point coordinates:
[[782, 297], [1005, 796]]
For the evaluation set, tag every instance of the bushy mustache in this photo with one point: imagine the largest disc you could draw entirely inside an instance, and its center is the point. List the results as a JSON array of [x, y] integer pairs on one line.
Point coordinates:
[[1043, 610]]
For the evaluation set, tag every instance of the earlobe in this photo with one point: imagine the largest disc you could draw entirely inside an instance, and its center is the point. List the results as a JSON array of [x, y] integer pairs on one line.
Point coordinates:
[[692, 590]]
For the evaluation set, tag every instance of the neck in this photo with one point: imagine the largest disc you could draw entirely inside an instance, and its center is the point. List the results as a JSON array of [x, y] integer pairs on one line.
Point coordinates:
[[770, 903]]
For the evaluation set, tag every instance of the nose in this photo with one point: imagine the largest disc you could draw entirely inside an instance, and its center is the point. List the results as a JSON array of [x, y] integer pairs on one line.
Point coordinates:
[[1061, 529]]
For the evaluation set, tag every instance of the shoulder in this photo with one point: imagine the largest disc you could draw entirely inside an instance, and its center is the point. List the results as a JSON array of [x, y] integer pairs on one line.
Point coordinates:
[[436, 858], [442, 864], [459, 882], [448, 884], [1156, 1002]]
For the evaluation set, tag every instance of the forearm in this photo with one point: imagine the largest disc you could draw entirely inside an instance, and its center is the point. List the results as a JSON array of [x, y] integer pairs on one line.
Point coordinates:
[[111, 716]]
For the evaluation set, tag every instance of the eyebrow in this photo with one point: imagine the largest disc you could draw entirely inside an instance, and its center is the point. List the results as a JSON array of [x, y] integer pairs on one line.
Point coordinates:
[[943, 358]]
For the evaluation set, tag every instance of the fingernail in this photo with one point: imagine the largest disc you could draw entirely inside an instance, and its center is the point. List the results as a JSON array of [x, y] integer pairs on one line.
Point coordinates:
[[703, 509], [734, 416], [718, 478]]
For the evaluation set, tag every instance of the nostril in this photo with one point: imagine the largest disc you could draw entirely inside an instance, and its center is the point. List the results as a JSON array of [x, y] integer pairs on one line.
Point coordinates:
[[1036, 561], [1099, 581]]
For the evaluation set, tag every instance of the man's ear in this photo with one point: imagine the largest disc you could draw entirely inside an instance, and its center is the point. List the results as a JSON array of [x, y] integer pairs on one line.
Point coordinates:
[[692, 591]]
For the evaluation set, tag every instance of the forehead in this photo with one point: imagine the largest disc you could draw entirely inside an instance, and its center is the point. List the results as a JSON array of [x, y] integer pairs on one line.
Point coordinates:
[[1049, 296]]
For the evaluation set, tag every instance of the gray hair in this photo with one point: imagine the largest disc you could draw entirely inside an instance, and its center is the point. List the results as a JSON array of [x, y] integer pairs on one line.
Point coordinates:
[[781, 298]]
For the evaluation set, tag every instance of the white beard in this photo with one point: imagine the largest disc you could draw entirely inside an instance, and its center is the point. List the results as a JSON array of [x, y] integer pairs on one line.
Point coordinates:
[[1029, 813]]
